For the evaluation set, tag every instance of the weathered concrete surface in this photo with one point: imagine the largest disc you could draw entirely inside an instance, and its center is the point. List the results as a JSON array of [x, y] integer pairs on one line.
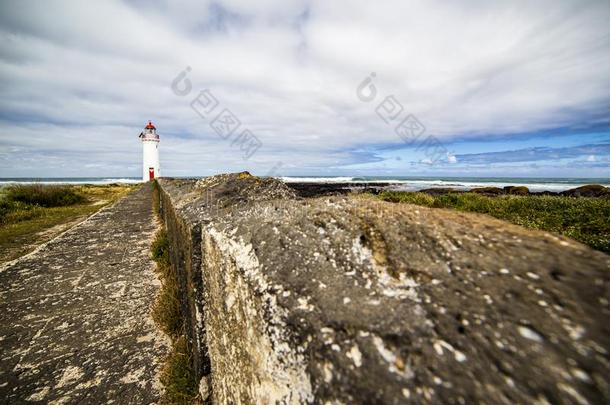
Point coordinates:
[[184, 233], [308, 189], [74, 316], [352, 300]]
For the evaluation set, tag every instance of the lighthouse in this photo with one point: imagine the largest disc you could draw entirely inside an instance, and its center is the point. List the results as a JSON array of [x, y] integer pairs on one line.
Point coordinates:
[[150, 152]]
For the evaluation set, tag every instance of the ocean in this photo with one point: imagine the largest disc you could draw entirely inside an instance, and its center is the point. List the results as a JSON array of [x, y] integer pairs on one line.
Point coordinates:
[[68, 180], [404, 183]]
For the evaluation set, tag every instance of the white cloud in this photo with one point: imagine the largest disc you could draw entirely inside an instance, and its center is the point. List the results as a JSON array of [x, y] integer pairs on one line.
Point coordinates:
[[84, 79]]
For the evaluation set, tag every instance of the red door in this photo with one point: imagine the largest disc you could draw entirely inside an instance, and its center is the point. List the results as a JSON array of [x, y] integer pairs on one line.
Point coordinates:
[[151, 173]]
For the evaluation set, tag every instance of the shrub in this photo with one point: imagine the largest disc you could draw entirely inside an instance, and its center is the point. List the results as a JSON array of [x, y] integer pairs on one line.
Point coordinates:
[[43, 195], [160, 248], [177, 374], [410, 198], [5, 208], [166, 311], [16, 211]]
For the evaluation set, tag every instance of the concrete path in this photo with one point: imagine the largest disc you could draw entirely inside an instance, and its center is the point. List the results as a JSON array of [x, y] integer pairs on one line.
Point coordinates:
[[75, 322]]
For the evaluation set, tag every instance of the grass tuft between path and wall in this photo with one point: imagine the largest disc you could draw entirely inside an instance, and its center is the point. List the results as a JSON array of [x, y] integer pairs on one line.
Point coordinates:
[[177, 374], [584, 219]]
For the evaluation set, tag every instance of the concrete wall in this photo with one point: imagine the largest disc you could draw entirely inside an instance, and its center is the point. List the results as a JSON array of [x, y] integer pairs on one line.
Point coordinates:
[[352, 300]]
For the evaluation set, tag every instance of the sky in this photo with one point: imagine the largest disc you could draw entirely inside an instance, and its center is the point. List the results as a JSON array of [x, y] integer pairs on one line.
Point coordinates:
[[282, 87]]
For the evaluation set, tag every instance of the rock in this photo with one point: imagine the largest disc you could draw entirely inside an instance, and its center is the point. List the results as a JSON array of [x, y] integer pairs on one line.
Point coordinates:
[[309, 190], [440, 190], [356, 300], [487, 190], [516, 190], [545, 192], [243, 188], [591, 190], [204, 388]]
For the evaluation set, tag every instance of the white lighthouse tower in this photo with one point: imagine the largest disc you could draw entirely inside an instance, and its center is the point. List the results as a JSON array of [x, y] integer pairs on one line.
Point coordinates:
[[150, 152]]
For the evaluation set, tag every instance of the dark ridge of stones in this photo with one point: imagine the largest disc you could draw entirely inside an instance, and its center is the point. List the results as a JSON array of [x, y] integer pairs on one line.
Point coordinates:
[[590, 190], [487, 190], [516, 190], [441, 190], [310, 190], [353, 300]]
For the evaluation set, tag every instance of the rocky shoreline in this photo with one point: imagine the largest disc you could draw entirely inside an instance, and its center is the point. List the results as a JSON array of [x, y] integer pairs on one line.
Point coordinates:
[[307, 189]]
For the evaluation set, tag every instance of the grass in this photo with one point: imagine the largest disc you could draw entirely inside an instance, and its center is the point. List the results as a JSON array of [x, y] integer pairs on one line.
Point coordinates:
[[34, 214], [43, 195], [166, 311], [23, 202], [586, 220], [177, 374]]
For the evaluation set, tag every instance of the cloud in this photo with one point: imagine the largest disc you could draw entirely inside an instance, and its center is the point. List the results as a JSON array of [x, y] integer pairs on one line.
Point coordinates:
[[451, 158], [81, 81], [537, 154]]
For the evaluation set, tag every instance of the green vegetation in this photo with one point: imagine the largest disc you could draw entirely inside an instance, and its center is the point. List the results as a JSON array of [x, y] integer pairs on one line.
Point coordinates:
[[43, 196], [166, 311], [160, 250], [22, 202], [177, 374], [586, 220], [33, 214]]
